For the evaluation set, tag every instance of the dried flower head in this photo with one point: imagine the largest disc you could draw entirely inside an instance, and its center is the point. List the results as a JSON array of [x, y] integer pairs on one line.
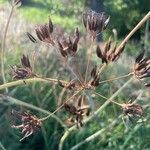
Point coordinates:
[[78, 111], [109, 53], [132, 110], [68, 47], [30, 124], [142, 67], [94, 22], [24, 71], [44, 32]]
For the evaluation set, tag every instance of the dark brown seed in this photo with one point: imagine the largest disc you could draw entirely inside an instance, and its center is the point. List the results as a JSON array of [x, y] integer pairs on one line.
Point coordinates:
[[25, 61], [31, 38], [93, 72], [50, 24]]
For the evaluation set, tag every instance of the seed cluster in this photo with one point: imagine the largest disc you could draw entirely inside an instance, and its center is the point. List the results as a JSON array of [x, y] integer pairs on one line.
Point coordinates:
[[94, 23]]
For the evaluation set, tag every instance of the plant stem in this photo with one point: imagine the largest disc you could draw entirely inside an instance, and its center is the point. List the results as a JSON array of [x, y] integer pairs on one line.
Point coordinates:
[[88, 61], [101, 68], [36, 79], [116, 78], [45, 118], [3, 48], [95, 113], [145, 18], [96, 134], [2, 147], [107, 99]]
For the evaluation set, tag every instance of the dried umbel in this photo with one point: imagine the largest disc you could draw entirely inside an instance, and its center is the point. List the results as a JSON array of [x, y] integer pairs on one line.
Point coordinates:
[[109, 53], [78, 111], [68, 47], [142, 67], [44, 33], [94, 22], [132, 110], [30, 123], [23, 71]]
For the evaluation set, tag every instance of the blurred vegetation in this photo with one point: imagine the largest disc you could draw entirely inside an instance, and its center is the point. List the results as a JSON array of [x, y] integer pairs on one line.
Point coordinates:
[[125, 14]]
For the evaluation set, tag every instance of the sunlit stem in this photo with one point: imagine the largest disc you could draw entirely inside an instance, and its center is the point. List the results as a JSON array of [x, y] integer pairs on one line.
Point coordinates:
[[35, 79], [116, 78], [107, 99], [3, 48], [144, 19], [45, 118]]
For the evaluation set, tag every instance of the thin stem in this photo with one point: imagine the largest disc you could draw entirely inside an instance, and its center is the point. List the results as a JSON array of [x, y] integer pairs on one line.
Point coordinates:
[[3, 47], [101, 68], [107, 99], [45, 118], [116, 78], [95, 135], [146, 17], [2, 147], [75, 75], [66, 134], [36, 79], [88, 61]]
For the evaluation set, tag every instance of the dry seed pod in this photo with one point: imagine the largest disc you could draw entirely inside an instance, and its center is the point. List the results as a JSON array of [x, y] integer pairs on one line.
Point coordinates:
[[94, 72], [95, 81], [68, 47], [31, 37], [44, 32], [94, 22], [70, 108], [134, 110], [30, 124], [142, 67], [24, 71], [94, 75], [109, 53], [78, 112]]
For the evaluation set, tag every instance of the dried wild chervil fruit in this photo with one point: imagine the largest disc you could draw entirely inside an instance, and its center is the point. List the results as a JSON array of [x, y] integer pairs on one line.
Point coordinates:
[[78, 111], [23, 71], [142, 67], [94, 22], [68, 47], [44, 32], [30, 123], [131, 109], [109, 53]]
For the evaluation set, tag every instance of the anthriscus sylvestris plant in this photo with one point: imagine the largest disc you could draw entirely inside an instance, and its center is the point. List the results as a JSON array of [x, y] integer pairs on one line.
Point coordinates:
[[80, 85]]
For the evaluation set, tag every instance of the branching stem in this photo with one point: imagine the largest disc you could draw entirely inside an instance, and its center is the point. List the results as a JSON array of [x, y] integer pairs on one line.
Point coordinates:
[[3, 47], [45, 118], [116, 78]]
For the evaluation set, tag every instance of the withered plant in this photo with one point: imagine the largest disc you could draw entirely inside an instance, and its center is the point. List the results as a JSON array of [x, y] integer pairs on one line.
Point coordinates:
[[82, 81]]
